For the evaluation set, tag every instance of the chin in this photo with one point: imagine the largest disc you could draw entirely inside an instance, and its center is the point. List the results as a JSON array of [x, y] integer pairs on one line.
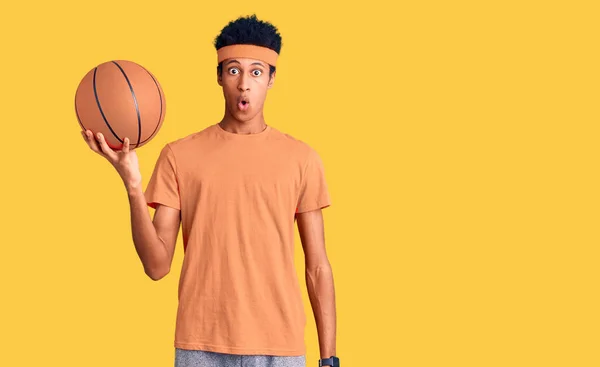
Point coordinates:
[[241, 116]]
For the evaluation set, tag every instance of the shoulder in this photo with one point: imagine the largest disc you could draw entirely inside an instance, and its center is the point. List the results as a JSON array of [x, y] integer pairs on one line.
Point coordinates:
[[294, 144], [189, 141], [175, 151]]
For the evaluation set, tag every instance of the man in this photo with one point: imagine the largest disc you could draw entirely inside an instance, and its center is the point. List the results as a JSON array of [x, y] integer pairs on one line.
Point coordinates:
[[237, 188]]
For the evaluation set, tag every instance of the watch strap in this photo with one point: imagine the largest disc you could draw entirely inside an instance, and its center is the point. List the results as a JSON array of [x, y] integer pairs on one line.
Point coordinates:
[[332, 361]]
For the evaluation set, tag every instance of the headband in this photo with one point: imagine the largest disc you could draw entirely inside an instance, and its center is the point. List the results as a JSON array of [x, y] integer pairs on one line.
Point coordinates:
[[250, 51]]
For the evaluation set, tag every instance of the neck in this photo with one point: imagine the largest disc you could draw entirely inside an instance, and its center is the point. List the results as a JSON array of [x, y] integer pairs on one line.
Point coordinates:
[[253, 126]]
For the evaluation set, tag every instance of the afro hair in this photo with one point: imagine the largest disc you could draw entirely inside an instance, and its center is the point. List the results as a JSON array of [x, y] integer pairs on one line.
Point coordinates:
[[250, 31]]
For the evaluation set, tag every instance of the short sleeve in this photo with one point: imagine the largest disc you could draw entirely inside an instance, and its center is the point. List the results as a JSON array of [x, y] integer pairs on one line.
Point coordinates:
[[163, 187], [314, 193]]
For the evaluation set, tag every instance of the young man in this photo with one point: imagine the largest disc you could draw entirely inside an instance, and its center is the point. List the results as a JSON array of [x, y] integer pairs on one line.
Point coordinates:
[[237, 188]]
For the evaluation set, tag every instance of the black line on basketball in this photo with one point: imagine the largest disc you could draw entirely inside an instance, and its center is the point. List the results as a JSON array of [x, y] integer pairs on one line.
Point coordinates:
[[100, 108], [161, 109], [137, 109]]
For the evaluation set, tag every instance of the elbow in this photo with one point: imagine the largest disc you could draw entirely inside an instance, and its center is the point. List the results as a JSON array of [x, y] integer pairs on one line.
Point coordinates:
[[157, 274], [319, 267]]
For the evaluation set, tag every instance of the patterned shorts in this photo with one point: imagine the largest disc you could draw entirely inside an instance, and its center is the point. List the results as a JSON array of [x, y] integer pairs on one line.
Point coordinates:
[[201, 358]]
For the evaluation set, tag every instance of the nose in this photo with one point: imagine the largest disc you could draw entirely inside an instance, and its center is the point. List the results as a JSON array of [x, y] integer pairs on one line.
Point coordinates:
[[243, 83]]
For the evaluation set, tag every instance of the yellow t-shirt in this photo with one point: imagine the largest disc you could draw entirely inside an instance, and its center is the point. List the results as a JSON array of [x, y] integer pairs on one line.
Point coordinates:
[[238, 195]]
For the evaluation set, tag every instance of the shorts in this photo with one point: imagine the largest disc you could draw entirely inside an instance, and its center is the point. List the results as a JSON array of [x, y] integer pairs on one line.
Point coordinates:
[[201, 358]]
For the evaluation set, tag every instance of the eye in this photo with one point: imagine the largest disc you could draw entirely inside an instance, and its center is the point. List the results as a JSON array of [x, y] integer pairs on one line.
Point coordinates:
[[231, 71], [257, 72]]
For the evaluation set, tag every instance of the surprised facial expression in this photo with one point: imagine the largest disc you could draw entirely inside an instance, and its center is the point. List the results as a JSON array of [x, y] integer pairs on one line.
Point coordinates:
[[245, 83]]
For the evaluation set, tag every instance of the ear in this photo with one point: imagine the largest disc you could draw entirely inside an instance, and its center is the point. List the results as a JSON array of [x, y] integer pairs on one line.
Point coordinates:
[[219, 79], [271, 80]]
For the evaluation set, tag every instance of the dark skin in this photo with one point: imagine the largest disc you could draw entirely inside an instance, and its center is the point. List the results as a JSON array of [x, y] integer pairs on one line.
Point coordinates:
[[155, 239], [319, 279], [249, 79]]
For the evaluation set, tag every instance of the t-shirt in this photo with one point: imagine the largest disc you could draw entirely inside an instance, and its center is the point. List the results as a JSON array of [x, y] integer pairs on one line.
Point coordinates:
[[238, 195]]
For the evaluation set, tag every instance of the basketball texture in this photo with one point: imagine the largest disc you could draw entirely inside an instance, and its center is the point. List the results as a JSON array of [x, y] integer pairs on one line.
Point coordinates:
[[120, 99]]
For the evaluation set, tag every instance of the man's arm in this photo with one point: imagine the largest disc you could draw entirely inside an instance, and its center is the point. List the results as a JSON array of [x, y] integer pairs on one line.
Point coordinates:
[[155, 239], [319, 279]]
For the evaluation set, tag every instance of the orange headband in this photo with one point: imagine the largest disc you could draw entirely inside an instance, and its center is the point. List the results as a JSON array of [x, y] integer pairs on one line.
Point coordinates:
[[250, 51]]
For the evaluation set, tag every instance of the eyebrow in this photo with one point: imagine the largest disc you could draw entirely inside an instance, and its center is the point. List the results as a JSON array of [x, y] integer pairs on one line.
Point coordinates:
[[254, 63]]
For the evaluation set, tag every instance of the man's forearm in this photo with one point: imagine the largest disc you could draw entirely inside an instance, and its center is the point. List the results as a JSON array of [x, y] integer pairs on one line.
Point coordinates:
[[321, 292], [150, 248]]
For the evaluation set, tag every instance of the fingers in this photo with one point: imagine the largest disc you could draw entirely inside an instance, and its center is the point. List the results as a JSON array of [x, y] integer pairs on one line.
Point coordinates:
[[126, 146], [105, 148], [91, 142], [98, 144]]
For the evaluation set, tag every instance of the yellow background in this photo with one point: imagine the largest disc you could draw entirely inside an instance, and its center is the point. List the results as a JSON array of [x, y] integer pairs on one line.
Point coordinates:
[[460, 141]]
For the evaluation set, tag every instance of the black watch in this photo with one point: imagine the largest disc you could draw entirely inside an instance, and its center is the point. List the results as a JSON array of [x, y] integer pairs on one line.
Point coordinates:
[[331, 361]]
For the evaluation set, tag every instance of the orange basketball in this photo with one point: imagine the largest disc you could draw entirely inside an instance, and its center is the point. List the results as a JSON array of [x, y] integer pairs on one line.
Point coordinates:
[[120, 99]]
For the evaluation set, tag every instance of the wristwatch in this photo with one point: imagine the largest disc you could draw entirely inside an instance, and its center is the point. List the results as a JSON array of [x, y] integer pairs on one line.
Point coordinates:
[[331, 361]]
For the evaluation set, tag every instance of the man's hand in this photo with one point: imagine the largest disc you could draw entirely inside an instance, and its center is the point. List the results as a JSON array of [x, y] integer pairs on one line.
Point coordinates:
[[125, 161]]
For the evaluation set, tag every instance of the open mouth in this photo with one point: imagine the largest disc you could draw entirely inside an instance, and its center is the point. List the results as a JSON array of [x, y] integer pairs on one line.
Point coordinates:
[[243, 104]]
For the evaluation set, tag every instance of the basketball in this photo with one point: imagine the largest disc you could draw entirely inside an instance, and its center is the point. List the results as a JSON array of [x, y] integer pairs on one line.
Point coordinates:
[[120, 99]]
